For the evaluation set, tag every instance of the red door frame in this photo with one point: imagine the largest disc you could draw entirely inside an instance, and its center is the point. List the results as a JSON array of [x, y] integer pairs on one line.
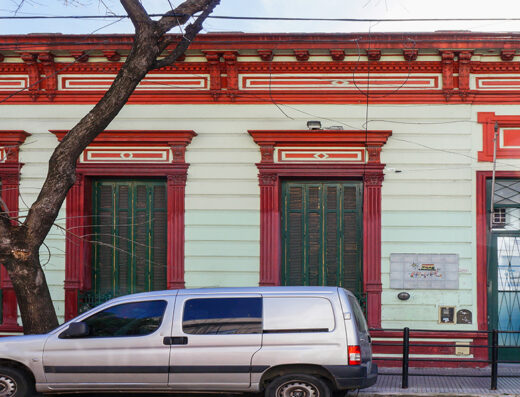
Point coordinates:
[[77, 258], [272, 173], [10, 142], [482, 177]]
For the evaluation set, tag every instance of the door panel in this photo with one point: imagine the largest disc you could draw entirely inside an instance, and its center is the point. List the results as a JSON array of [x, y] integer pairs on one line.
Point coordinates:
[[126, 349], [504, 265], [220, 343], [321, 232]]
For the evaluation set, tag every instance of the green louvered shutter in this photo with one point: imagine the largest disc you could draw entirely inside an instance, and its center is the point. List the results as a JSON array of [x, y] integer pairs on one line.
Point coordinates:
[[322, 234], [129, 242]]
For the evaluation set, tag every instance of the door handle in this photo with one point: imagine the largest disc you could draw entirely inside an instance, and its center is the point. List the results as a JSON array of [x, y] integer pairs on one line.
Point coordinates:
[[175, 340]]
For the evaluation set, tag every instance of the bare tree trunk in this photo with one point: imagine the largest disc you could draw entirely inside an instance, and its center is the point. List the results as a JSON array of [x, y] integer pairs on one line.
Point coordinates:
[[20, 244]]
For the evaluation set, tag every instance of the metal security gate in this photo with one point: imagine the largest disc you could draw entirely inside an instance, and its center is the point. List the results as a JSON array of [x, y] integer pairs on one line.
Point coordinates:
[[322, 234], [129, 227], [504, 265]]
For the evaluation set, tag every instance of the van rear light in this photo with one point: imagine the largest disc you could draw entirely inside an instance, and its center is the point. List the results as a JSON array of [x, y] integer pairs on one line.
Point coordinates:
[[354, 355]]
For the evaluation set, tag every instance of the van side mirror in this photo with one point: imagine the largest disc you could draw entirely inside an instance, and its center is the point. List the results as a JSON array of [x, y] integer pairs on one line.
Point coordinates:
[[75, 330]]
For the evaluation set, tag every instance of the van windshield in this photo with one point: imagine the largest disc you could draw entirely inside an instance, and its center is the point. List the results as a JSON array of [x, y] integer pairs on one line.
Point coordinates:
[[358, 314]]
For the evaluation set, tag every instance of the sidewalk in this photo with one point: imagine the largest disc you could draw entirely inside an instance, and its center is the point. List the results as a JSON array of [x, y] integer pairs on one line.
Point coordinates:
[[468, 384]]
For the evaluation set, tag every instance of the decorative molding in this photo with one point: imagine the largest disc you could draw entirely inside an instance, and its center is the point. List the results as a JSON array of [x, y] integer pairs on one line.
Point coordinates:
[[31, 62], [507, 55], [157, 82], [508, 142], [302, 55], [321, 138], [112, 55], [447, 73], [464, 72], [266, 55], [337, 82], [319, 155], [215, 79], [51, 74], [80, 56], [373, 55], [230, 58], [410, 54], [337, 55]]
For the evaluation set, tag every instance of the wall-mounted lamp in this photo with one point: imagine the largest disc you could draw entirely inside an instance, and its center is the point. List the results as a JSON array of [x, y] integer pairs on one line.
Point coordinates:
[[404, 296], [314, 125]]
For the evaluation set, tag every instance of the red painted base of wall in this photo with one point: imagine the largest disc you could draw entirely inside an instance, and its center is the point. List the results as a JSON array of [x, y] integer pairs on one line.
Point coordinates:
[[478, 351]]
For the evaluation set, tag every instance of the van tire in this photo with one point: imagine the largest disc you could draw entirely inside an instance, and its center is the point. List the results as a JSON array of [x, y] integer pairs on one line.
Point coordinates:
[[14, 383], [307, 385]]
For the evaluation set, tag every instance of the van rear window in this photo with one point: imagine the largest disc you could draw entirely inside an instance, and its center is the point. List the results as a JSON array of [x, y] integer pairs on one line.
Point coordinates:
[[358, 314], [298, 315], [219, 316]]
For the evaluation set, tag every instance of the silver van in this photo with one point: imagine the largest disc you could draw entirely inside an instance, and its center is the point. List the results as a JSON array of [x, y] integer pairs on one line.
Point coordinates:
[[283, 341]]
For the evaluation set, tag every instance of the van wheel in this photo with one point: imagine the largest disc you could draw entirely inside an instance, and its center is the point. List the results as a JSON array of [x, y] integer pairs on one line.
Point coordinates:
[[297, 385], [14, 383]]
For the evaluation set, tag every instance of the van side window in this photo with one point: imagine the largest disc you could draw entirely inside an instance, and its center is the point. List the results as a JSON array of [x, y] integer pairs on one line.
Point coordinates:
[[127, 319], [222, 316], [298, 315], [358, 314]]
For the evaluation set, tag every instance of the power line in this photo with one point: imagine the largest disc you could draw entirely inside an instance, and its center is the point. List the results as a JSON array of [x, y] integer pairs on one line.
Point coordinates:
[[262, 18]]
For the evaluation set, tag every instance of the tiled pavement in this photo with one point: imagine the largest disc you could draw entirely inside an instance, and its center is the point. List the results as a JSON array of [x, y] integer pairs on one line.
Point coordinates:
[[447, 385], [467, 384]]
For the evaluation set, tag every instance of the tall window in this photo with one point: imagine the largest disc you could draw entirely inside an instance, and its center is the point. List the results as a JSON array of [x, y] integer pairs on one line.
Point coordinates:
[[129, 238]]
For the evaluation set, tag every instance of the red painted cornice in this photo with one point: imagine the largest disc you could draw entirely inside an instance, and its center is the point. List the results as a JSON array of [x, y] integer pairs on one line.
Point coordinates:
[[437, 40], [13, 137], [149, 137], [320, 137]]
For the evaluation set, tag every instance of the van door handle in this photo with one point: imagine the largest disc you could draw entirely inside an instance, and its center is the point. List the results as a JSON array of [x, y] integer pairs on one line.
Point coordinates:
[[175, 340]]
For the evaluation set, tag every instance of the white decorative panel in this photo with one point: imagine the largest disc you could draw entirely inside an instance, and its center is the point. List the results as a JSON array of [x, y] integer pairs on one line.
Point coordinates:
[[152, 82], [13, 82], [343, 82], [126, 155]]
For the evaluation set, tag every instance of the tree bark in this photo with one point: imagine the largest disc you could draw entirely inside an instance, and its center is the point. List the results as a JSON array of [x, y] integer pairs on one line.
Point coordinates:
[[20, 244]]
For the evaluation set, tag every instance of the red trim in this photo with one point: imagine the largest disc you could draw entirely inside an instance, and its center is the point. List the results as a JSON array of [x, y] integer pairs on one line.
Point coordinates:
[[477, 339], [77, 259], [10, 177], [488, 121], [271, 175]]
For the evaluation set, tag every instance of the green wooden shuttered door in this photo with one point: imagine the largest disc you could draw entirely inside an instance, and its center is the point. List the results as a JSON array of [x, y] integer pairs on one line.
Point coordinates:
[[322, 234], [130, 237]]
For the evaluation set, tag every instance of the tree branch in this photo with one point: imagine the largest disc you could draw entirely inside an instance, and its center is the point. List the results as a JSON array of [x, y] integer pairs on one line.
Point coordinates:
[[137, 13], [191, 31], [181, 15]]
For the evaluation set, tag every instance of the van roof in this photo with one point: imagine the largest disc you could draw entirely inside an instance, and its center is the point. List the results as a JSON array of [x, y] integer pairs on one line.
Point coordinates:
[[239, 290]]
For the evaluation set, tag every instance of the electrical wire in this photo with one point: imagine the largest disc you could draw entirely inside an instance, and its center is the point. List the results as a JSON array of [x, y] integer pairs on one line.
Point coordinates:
[[263, 18]]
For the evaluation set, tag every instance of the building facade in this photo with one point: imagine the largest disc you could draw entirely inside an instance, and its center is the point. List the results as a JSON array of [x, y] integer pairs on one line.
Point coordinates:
[[365, 161]]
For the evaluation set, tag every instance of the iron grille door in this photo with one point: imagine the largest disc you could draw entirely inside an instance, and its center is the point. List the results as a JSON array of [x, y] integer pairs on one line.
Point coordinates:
[[129, 250], [322, 234], [504, 266]]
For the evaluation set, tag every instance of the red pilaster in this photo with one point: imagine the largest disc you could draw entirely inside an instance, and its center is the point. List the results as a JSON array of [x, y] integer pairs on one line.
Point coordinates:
[[373, 182], [10, 184], [270, 229], [175, 266], [10, 167], [75, 246]]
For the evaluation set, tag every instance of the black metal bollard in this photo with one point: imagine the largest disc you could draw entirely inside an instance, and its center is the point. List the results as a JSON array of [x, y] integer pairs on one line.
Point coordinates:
[[494, 359], [406, 353]]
